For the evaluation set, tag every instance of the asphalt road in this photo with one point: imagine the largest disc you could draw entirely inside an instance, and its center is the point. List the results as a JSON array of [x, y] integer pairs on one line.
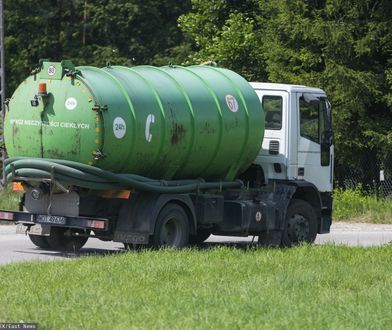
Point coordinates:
[[16, 247]]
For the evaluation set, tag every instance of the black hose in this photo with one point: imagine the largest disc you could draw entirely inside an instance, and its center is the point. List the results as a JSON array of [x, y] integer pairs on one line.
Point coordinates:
[[86, 176]]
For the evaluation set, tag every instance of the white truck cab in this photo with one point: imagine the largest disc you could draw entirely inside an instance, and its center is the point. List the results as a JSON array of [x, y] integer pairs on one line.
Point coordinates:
[[297, 143]]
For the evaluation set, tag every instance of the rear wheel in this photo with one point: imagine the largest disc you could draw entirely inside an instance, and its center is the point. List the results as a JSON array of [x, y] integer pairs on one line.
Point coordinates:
[[171, 228], [301, 224], [40, 241], [64, 239]]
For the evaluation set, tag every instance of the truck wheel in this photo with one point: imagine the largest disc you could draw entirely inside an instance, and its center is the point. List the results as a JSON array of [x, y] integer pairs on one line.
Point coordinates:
[[171, 227], [200, 237], [60, 240], [301, 224], [40, 241]]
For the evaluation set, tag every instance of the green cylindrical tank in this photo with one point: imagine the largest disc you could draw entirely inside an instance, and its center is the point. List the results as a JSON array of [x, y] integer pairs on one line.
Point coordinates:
[[171, 122]]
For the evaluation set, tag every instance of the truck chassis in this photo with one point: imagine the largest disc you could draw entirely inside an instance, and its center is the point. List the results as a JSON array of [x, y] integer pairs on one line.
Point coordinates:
[[279, 213]]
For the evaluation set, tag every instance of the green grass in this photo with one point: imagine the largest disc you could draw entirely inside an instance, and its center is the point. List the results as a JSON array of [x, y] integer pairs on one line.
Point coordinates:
[[308, 287], [353, 205]]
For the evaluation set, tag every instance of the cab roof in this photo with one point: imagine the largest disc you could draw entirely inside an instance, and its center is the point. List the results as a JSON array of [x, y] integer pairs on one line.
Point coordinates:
[[286, 87]]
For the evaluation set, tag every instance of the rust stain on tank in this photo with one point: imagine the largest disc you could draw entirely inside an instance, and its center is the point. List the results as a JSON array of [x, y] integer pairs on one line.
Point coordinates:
[[15, 130], [177, 133], [54, 153], [75, 151], [208, 129]]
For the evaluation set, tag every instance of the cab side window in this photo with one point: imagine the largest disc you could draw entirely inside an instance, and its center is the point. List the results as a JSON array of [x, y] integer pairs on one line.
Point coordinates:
[[272, 106]]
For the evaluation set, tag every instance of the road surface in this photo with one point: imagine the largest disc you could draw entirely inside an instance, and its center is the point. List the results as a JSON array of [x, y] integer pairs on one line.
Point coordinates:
[[15, 247]]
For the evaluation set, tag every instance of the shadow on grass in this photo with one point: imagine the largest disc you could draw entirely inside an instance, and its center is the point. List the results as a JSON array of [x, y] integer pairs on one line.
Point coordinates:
[[71, 255], [86, 252]]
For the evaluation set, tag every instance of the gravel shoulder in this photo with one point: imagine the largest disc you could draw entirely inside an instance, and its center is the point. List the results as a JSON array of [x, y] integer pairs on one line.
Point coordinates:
[[357, 226]]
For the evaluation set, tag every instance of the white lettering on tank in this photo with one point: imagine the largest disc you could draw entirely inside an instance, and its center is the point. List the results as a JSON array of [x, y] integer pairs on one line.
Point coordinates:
[[150, 120], [53, 124], [119, 127], [232, 103], [71, 103]]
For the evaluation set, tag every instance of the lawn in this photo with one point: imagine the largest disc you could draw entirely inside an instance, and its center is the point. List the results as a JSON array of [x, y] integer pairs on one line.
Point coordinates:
[[319, 287], [355, 206]]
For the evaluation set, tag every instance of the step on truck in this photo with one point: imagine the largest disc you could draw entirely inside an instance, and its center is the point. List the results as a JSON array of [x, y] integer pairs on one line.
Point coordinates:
[[165, 157]]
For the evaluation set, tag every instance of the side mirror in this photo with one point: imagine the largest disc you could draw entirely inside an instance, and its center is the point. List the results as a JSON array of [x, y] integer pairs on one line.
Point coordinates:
[[327, 137], [309, 98], [330, 137]]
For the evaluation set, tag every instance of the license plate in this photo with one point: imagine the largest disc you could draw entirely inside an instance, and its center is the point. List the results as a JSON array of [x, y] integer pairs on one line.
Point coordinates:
[[51, 219]]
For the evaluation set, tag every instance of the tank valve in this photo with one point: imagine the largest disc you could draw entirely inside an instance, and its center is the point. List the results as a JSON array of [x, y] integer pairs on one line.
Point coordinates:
[[34, 102], [98, 154]]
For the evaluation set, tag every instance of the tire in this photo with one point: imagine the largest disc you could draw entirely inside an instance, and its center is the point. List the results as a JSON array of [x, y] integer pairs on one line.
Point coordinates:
[[40, 241], [301, 224], [200, 237], [171, 227], [60, 239]]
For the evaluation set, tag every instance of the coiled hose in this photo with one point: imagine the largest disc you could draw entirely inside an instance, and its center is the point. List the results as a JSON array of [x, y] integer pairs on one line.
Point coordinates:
[[86, 176]]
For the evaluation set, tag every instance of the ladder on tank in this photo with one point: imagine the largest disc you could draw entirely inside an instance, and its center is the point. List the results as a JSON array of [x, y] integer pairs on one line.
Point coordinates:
[[2, 94]]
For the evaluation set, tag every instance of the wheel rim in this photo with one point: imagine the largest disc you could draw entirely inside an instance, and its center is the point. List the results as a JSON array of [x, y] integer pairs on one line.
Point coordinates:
[[298, 228], [170, 232]]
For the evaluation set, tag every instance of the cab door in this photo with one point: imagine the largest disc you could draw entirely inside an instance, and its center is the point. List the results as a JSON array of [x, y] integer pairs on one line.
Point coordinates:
[[315, 149]]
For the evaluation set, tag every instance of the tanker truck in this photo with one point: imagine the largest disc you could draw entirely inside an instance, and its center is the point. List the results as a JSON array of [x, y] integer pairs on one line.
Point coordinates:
[[165, 157]]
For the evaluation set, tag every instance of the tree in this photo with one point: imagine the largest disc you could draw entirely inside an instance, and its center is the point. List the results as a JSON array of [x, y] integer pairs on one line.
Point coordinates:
[[342, 46], [120, 31], [229, 33]]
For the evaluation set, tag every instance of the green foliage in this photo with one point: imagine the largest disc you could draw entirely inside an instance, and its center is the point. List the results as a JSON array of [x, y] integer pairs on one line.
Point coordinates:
[[118, 31], [229, 33], [319, 287], [354, 205], [9, 199], [341, 46]]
